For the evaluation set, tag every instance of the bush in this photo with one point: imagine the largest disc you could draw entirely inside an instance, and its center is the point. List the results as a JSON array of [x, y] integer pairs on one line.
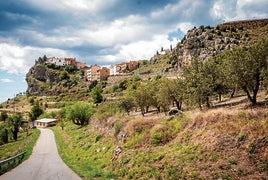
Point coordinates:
[[64, 75], [36, 111], [31, 100], [241, 137], [96, 94], [80, 113], [97, 138], [160, 136]]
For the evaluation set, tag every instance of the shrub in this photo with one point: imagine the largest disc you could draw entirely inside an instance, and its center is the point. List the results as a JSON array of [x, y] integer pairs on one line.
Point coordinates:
[[97, 138], [80, 113], [31, 100], [117, 127], [160, 136], [64, 75], [241, 137], [36, 111], [96, 94]]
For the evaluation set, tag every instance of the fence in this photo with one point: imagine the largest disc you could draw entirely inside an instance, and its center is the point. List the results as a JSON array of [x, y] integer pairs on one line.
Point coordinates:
[[7, 164]]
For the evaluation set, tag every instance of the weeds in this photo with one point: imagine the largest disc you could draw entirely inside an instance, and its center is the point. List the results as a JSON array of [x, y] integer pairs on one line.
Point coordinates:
[[241, 137]]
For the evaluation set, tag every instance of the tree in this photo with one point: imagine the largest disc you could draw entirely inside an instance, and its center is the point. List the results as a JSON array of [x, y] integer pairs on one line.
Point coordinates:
[[126, 104], [64, 75], [247, 66], [171, 91], [15, 122], [216, 79], [36, 111], [80, 113], [3, 116], [70, 69], [96, 95], [197, 84], [3, 134], [141, 97]]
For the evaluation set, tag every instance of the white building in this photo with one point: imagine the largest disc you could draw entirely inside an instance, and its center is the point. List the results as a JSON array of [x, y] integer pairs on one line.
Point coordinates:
[[45, 122], [113, 71]]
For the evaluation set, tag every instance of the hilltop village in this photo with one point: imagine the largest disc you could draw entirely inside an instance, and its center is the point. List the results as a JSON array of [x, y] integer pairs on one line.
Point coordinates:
[[95, 72]]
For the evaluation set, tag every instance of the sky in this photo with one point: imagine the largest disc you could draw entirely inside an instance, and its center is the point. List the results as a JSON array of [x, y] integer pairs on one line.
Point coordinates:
[[102, 32]]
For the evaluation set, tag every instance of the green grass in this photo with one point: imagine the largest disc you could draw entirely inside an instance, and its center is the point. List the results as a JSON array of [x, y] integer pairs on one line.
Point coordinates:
[[91, 155], [86, 152], [24, 143], [178, 148]]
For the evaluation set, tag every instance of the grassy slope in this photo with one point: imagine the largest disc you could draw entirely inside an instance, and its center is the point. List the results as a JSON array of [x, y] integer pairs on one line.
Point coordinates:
[[227, 143], [24, 143]]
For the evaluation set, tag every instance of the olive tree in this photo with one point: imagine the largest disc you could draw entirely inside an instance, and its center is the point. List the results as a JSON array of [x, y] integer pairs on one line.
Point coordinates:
[[15, 122], [247, 66], [80, 113]]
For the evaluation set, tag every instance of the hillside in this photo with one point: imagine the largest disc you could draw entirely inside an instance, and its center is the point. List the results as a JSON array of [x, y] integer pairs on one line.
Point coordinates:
[[217, 132], [205, 42], [229, 142], [51, 80]]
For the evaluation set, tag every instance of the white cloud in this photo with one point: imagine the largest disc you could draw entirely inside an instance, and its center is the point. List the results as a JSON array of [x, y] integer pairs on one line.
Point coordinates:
[[183, 9], [185, 26], [72, 6], [239, 9], [17, 59], [119, 31], [144, 49], [5, 80], [222, 9]]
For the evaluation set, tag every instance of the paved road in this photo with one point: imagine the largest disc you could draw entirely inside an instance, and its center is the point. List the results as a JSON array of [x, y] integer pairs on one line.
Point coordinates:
[[44, 163]]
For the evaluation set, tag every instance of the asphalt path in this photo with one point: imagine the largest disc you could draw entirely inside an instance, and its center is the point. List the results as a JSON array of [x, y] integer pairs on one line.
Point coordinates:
[[44, 163]]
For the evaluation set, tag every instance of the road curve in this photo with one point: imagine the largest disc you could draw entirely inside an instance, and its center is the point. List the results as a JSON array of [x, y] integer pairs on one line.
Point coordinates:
[[44, 163]]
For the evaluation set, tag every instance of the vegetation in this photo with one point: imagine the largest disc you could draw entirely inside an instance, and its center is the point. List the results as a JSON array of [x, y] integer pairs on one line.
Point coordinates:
[[247, 67], [168, 149], [36, 111], [26, 142], [80, 113], [128, 134], [15, 122], [3, 116], [96, 94]]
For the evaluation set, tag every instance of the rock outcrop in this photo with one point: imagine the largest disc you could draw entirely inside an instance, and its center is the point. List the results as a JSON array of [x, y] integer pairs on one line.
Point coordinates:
[[205, 42], [46, 80]]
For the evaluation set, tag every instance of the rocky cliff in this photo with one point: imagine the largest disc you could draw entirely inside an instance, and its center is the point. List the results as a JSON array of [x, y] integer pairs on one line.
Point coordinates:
[[46, 80], [205, 42]]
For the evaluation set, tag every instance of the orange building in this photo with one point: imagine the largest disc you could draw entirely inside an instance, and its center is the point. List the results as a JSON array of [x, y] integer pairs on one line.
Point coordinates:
[[97, 73], [80, 65]]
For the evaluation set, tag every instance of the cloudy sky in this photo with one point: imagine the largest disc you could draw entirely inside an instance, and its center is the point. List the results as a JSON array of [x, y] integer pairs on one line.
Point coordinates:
[[102, 31]]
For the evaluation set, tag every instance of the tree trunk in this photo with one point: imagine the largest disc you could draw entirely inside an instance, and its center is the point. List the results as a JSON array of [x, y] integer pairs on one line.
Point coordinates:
[[147, 109], [5, 136], [207, 101], [142, 112], [158, 109], [15, 134], [178, 104], [219, 97], [200, 104], [252, 99], [232, 94]]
